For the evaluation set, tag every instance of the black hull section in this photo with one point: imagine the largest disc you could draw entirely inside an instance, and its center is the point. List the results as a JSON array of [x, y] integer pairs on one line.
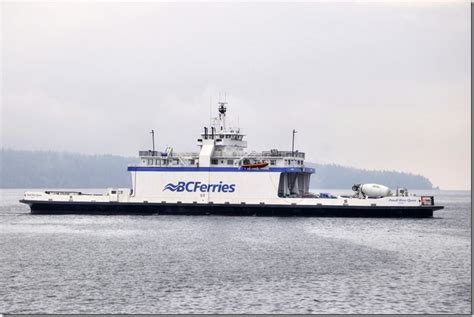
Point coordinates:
[[94, 208]]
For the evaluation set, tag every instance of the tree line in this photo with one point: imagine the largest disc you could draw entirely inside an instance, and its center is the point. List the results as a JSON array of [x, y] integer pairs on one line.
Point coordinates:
[[48, 169]]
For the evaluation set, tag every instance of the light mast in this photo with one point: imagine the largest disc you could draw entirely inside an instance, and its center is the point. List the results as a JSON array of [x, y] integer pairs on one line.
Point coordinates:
[[222, 110]]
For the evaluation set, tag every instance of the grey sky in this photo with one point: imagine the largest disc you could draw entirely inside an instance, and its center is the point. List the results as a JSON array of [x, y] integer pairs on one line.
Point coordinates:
[[377, 86]]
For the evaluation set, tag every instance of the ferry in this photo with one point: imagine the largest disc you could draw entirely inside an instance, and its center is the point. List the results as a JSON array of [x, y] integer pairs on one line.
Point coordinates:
[[224, 179]]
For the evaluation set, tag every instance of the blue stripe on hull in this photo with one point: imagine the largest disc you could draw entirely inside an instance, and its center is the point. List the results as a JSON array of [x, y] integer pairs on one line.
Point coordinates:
[[219, 169]]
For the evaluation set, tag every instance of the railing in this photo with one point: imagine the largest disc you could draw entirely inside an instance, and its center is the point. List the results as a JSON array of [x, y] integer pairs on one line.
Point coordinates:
[[62, 192], [158, 158], [164, 155], [271, 153], [276, 153], [149, 153]]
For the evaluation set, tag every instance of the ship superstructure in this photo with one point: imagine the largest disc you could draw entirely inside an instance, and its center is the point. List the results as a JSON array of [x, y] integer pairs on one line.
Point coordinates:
[[224, 178], [222, 166]]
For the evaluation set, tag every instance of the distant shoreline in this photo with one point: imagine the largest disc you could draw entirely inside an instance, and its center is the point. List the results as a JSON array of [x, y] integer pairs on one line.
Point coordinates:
[[50, 169]]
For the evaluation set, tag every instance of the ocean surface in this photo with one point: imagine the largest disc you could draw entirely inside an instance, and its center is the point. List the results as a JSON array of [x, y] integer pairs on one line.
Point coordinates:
[[210, 264]]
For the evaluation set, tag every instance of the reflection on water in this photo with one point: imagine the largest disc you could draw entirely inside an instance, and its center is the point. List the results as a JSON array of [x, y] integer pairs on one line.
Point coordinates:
[[179, 264]]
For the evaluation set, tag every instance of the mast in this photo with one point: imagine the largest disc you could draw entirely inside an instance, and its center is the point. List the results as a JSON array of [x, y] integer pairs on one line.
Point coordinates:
[[153, 141], [222, 110], [293, 143]]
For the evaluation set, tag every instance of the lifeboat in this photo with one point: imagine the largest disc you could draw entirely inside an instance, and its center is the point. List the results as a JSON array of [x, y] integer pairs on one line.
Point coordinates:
[[255, 165]]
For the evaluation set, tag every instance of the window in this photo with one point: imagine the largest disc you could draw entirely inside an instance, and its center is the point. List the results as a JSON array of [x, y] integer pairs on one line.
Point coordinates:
[[150, 162], [113, 192], [191, 162], [214, 162], [272, 162], [230, 162]]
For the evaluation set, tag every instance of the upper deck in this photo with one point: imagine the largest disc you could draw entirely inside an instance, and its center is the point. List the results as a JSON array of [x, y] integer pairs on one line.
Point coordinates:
[[222, 146], [274, 158]]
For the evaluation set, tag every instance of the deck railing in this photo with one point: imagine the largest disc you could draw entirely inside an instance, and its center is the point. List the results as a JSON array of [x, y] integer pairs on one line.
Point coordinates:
[[272, 153], [277, 153]]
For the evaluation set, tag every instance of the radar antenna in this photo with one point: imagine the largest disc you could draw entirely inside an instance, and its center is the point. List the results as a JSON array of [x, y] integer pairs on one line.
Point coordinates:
[[222, 110], [222, 107]]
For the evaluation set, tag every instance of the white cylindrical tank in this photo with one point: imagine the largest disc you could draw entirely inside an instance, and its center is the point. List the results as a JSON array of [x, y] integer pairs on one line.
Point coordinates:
[[375, 190]]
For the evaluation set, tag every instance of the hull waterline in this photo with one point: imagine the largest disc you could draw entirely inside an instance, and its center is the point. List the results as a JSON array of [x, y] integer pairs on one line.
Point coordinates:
[[114, 208]]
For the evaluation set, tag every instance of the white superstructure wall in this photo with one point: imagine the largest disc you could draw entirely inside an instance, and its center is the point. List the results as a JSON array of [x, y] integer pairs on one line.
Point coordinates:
[[205, 186]]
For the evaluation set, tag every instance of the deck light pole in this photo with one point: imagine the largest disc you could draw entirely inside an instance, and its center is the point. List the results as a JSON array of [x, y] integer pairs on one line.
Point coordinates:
[[293, 143], [153, 141]]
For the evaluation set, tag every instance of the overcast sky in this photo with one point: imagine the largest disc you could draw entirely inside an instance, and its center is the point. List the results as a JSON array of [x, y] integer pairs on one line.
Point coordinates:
[[370, 85]]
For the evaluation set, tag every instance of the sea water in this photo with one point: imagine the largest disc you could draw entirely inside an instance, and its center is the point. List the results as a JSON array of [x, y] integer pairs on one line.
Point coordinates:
[[214, 264]]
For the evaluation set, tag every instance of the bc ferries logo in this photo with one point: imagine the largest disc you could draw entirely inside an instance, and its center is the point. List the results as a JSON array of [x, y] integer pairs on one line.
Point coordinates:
[[193, 187]]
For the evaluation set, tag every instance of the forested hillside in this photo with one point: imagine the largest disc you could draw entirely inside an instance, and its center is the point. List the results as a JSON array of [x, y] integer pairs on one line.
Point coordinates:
[[41, 169]]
